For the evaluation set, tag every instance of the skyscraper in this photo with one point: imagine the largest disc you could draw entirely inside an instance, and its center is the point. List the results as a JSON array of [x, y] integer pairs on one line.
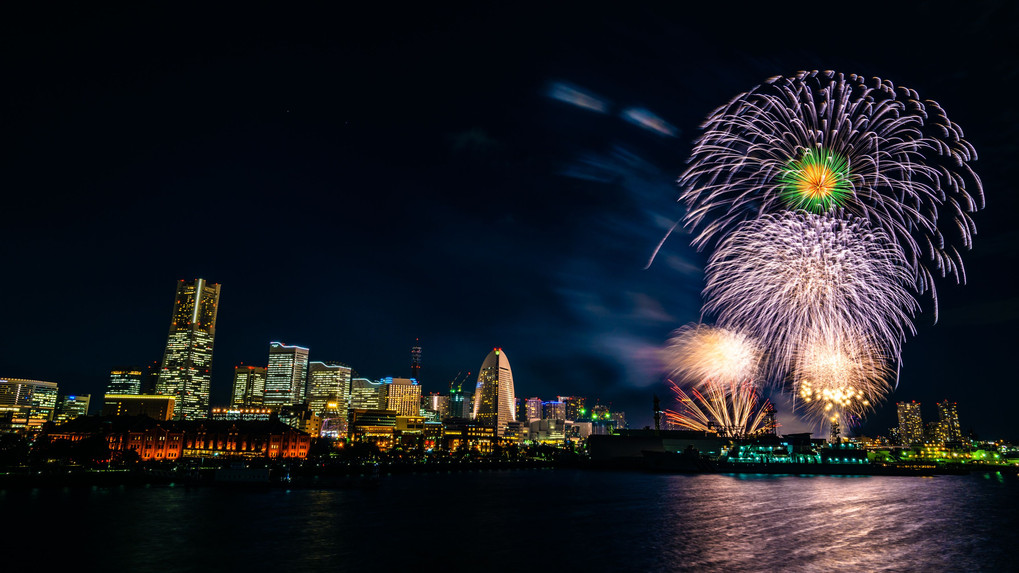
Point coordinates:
[[328, 386], [287, 375], [415, 362], [71, 407], [910, 423], [187, 361], [366, 394], [533, 406], [125, 381], [27, 404], [404, 396], [249, 386], [494, 401], [948, 422]]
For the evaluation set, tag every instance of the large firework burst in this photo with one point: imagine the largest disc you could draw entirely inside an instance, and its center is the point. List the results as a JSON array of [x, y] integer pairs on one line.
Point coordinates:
[[797, 277], [730, 409], [822, 140], [700, 354]]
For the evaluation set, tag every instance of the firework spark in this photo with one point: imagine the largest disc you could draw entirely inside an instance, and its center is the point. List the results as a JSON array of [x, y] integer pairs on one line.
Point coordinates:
[[840, 379], [730, 409], [699, 354], [792, 278], [821, 141]]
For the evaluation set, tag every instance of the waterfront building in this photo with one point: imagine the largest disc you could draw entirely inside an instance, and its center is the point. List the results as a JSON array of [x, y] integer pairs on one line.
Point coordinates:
[[70, 407], [249, 386], [494, 398], [409, 433], [187, 360], [910, 423], [157, 407], [366, 394], [574, 407], [125, 381], [948, 422], [301, 417], [462, 435], [437, 403], [328, 386], [286, 376], [553, 411], [373, 425], [548, 431], [25, 405], [403, 395], [534, 409]]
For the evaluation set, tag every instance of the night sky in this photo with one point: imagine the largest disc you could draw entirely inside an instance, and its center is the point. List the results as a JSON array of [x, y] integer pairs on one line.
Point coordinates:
[[357, 179]]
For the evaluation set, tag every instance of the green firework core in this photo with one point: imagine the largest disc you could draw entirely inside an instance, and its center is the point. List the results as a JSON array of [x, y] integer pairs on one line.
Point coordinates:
[[816, 182]]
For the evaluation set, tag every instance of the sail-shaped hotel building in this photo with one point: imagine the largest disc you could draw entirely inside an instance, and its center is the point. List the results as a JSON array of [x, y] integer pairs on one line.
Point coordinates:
[[494, 400]]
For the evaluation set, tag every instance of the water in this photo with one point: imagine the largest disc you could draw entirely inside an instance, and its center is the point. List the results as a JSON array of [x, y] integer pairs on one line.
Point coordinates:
[[527, 519]]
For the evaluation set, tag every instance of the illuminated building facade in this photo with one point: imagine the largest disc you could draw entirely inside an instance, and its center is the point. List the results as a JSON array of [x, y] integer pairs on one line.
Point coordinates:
[[948, 429], [366, 394], [125, 381], [437, 403], [553, 411], [160, 408], [25, 405], [494, 400], [403, 395], [574, 407], [910, 423], [70, 407], [286, 376], [533, 408], [187, 361], [255, 414], [373, 425], [249, 386], [415, 362], [328, 386]]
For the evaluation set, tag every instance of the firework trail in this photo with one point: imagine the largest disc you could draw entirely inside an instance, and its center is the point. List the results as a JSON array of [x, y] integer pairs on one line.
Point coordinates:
[[730, 409], [822, 140], [700, 354], [797, 277], [839, 379]]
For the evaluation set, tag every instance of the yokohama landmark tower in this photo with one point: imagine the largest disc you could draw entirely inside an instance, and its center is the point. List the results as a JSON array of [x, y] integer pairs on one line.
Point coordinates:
[[494, 401], [188, 357]]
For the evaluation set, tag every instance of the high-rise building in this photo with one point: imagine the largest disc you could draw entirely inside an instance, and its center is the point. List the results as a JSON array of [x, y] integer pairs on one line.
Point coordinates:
[[156, 407], [533, 406], [287, 375], [187, 361], [948, 422], [403, 395], [125, 381], [249, 386], [70, 407], [574, 407], [415, 362], [910, 423], [366, 394], [494, 400], [150, 379], [553, 410], [437, 403], [328, 386], [26, 404]]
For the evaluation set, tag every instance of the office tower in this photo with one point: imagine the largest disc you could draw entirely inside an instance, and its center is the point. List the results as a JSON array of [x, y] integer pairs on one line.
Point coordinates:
[[574, 407], [948, 422], [533, 407], [328, 386], [150, 379], [125, 381], [494, 400], [910, 423], [249, 386], [553, 410], [403, 395], [437, 403], [187, 362], [415, 363], [26, 404], [366, 394], [160, 408], [286, 376], [70, 407]]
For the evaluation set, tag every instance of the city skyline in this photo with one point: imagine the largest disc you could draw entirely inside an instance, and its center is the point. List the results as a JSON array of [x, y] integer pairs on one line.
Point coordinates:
[[361, 185]]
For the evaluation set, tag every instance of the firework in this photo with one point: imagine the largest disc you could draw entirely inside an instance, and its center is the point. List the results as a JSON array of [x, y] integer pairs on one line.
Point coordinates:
[[698, 354], [821, 141], [839, 379], [730, 409], [795, 277]]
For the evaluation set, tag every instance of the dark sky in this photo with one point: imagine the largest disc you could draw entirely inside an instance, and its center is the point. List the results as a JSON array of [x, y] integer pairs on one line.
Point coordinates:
[[359, 178]]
